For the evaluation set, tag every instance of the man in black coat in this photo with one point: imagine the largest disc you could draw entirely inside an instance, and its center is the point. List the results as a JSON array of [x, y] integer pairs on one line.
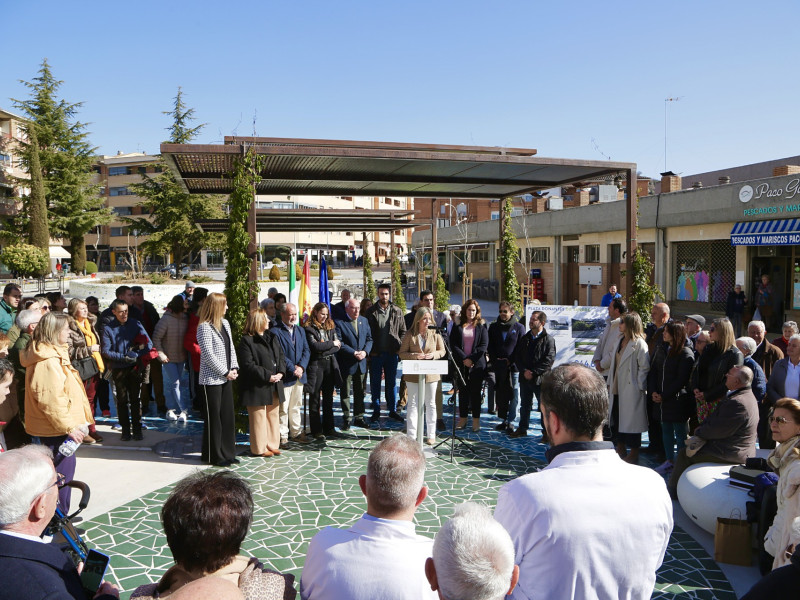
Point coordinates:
[[504, 334], [154, 387], [34, 570], [534, 357]]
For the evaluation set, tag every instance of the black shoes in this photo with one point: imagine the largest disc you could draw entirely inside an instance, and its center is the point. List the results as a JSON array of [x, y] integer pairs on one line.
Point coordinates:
[[345, 425], [502, 426], [359, 422], [397, 417], [126, 437], [138, 436], [332, 433], [519, 433]]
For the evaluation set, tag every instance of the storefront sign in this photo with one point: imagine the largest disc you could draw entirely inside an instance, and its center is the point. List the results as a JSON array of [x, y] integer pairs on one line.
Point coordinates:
[[781, 232], [576, 330], [767, 192]]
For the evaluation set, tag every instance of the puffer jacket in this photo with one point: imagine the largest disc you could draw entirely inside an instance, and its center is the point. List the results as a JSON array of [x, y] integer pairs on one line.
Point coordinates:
[[676, 371], [55, 399], [785, 460]]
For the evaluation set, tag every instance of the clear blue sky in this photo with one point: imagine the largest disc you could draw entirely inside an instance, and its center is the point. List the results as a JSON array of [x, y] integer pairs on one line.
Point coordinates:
[[572, 79]]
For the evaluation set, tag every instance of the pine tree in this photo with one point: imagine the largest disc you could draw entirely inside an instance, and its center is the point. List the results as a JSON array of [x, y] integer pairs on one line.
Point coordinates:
[[441, 297], [180, 131], [171, 227], [39, 233], [398, 298], [73, 206], [508, 258], [369, 279]]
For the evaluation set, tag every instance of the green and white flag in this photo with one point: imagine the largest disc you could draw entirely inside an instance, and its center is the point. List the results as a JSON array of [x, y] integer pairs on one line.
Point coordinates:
[[294, 291]]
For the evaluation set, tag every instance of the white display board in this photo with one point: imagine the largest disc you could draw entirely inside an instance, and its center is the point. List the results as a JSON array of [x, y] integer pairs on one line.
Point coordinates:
[[590, 275], [576, 330]]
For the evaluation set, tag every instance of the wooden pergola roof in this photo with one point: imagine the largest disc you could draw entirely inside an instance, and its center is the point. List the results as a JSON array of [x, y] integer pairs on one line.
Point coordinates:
[[346, 168], [268, 219]]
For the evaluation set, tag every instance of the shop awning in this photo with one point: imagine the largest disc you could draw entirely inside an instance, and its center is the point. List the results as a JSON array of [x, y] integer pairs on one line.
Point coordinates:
[[784, 232], [59, 252]]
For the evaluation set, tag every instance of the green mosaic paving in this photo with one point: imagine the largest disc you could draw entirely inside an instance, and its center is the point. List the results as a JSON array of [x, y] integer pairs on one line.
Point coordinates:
[[310, 487]]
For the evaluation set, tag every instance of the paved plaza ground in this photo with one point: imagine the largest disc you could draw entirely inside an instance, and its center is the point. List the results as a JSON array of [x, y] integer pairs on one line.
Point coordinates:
[[315, 485]]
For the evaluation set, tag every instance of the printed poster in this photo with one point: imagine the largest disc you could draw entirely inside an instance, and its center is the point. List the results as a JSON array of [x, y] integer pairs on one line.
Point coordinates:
[[576, 330]]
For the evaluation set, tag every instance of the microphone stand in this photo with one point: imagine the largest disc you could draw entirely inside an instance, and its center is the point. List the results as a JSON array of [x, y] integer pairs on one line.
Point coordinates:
[[453, 438]]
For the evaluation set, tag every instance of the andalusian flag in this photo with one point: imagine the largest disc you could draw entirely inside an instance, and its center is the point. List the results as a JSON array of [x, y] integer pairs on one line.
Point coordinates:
[[304, 299], [293, 291]]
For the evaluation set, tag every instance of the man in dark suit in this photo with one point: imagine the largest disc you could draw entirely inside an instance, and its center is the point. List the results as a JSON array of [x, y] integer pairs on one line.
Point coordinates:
[[295, 347], [339, 310], [34, 570], [356, 337]]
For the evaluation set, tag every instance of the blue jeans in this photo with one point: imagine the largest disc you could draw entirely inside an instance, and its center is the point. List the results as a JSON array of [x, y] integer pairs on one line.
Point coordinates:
[[173, 374], [385, 362], [673, 433], [527, 390]]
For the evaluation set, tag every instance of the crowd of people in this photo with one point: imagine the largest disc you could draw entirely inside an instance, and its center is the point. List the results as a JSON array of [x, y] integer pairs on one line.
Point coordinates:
[[537, 543], [701, 394]]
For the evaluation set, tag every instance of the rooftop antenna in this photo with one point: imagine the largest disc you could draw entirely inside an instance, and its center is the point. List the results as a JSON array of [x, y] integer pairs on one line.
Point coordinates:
[[675, 99]]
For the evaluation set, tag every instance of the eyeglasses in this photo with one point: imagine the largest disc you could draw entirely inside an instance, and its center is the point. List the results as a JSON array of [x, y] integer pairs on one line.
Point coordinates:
[[779, 420], [710, 329], [504, 312], [45, 308], [61, 481]]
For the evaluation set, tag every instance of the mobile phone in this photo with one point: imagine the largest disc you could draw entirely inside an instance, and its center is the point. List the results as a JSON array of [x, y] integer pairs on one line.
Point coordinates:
[[94, 569]]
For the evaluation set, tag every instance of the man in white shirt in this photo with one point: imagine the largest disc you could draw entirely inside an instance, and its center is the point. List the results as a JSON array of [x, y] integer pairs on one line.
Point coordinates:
[[589, 525], [380, 555], [473, 557]]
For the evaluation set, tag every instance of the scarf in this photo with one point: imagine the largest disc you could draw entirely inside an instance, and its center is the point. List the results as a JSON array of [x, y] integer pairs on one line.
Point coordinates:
[[781, 455], [91, 339]]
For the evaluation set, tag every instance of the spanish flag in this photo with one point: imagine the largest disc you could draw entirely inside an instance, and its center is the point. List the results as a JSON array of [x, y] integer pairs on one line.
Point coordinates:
[[304, 299]]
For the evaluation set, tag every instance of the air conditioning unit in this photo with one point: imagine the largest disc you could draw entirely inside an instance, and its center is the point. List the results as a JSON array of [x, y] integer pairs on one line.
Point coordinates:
[[555, 203]]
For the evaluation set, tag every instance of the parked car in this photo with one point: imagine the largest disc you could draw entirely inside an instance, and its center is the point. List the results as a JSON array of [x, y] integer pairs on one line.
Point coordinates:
[[172, 271]]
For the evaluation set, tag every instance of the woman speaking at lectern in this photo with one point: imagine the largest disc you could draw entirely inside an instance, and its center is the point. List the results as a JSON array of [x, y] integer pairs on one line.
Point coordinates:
[[421, 343]]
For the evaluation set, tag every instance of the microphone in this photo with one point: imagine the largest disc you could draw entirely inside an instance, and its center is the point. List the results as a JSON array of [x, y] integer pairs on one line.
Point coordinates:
[[435, 328]]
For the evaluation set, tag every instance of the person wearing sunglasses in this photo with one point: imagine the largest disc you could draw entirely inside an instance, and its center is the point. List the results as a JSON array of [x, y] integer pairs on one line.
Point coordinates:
[[785, 461]]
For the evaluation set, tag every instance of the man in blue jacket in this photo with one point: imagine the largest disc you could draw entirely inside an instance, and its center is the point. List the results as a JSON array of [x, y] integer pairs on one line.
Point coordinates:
[[12, 294], [125, 341], [504, 334], [33, 569], [534, 357], [295, 347], [356, 337]]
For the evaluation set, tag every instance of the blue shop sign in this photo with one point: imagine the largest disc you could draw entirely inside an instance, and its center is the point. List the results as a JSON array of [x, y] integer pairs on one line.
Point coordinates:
[[783, 232]]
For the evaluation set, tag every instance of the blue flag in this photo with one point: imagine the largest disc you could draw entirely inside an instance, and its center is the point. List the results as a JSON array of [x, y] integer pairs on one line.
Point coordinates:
[[324, 292]]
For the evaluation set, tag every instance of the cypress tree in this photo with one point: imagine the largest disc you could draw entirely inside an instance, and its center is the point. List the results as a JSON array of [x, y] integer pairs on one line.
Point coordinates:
[[38, 231]]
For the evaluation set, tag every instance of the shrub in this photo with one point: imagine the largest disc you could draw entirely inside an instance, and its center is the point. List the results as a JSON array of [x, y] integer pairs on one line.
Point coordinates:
[[276, 261], [157, 278], [25, 260], [91, 267], [274, 273], [330, 272]]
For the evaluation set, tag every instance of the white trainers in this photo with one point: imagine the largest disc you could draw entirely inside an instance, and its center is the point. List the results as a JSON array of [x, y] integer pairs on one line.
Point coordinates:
[[183, 417], [171, 416]]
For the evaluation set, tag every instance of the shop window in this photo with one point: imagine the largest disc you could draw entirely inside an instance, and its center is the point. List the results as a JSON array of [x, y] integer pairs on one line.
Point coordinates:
[[593, 253], [615, 253], [480, 256], [704, 272]]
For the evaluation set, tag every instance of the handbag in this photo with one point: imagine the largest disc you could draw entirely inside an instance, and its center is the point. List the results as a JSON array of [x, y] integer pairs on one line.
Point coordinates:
[[86, 367], [732, 541]]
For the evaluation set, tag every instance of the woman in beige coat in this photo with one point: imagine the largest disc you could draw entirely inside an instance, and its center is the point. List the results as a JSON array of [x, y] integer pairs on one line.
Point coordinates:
[[421, 343], [627, 388]]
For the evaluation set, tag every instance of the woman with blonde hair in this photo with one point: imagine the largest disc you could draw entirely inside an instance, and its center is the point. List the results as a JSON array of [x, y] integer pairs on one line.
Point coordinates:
[[56, 407], [218, 368], [421, 343], [262, 366], [84, 352], [322, 369], [719, 357], [785, 461], [469, 340], [627, 387]]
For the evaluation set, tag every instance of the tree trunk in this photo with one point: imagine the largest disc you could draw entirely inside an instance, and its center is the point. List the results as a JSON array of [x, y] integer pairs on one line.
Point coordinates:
[[78, 249]]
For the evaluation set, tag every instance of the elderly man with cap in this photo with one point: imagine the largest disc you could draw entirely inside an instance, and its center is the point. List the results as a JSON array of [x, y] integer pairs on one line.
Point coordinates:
[[694, 325], [34, 570], [188, 291]]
